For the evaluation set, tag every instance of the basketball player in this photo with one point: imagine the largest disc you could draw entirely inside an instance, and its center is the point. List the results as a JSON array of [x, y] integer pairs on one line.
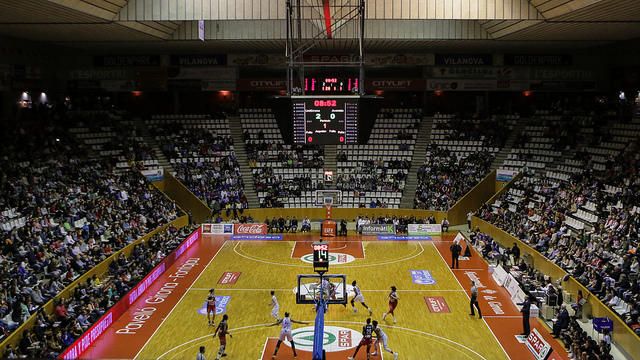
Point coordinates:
[[222, 331], [211, 307], [285, 333], [367, 334], [393, 302], [381, 336], [275, 307], [359, 298]]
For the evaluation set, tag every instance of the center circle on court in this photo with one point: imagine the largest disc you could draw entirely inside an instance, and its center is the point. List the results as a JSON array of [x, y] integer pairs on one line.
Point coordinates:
[[334, 338], [334, 258]]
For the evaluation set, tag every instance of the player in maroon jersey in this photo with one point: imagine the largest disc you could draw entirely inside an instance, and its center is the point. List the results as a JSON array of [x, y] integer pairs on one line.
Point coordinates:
[[367, 335], [222, 331], [393, 303], [211, 307]]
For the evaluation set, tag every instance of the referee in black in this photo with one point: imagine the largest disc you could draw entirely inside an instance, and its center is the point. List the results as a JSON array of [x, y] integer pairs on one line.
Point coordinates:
[[474, 300]]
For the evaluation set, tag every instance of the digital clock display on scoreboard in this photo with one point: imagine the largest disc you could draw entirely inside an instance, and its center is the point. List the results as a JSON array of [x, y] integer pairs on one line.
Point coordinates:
[[320, 257], [325, 119]]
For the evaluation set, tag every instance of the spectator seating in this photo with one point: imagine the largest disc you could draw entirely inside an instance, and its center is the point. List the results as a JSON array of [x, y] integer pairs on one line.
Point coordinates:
[[201, 150], [460, 155], [284, 175], [375, 174], [588, 221], [61, 215]]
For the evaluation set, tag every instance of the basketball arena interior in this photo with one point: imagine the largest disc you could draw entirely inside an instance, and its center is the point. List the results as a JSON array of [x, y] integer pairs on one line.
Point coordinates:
[[320, 179]]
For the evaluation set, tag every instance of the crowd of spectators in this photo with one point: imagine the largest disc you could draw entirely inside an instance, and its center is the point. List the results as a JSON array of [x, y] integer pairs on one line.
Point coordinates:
[[53, 333], [299, 156], [277, 186], [61, 215], [603, 256], [217, 182], [445, 178], [577, 342], [185, 143], [493, 132], [374, 175]]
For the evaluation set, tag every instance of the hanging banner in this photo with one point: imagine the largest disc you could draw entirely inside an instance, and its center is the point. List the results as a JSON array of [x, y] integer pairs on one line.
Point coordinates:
[[461, 85], [257, 60], [537, 60], [101, 74], [261, 84], [395, 84], [204, 72], [464, 60], [126, 60], [479, 72], [201, 30], [199, 60], [217, 85]]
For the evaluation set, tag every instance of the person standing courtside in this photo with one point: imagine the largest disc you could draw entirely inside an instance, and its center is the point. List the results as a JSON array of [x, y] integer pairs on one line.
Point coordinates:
[[526, 311], [515, 252], [456, 249], [200, 355], [474, 300]]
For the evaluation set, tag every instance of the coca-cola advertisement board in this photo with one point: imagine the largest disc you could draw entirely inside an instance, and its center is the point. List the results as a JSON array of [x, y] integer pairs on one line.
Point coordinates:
[[250, 229]]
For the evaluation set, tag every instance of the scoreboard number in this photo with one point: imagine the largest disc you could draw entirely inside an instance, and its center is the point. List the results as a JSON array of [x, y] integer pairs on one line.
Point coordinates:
[[320, 257]]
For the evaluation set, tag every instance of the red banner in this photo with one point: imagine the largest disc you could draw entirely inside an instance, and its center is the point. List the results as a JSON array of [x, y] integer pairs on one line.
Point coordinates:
[[250, 229], [436, 304], [229, 278], [329, 228]]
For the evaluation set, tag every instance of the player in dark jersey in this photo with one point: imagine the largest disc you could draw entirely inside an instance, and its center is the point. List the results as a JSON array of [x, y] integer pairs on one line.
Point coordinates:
[[211, 307], [367, 335], [222, 331]]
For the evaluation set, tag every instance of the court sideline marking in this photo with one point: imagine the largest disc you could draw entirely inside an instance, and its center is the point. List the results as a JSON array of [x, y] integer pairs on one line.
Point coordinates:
[[468, 297], [180, 300], [388, 262]]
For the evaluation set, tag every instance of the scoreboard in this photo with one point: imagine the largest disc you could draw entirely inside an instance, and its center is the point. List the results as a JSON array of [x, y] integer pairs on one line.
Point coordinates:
[[325, 119], [320, 257]]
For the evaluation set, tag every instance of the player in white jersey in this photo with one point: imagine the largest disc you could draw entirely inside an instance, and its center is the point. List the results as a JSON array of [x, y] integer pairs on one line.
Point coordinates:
[[359, 298], [275, 307], [285, 333], [382, 337]]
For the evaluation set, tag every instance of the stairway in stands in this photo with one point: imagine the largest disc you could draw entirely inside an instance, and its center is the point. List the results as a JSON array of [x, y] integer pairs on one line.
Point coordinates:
[[241, 155], [502, 155], [331, 164], [163, 162], [422, 143]]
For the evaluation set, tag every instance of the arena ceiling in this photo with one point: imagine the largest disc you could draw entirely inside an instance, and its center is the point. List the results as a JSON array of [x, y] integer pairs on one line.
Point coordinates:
[[259, 25]]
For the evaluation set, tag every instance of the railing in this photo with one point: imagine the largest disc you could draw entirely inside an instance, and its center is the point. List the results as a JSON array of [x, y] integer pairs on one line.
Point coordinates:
[[622, 335], [14, 338], [179, 193], [473, 199]]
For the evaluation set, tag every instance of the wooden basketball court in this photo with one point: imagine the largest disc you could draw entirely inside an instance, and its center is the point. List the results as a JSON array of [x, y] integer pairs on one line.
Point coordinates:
[[173, 324]]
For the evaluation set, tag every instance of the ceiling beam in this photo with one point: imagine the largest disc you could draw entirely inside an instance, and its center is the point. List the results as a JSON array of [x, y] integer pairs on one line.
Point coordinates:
[[554, 8], [500, 28]]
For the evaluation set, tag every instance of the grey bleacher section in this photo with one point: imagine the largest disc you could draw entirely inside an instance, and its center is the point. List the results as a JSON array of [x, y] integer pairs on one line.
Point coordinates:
[[192, 122], [383, 145], [253, 121]]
